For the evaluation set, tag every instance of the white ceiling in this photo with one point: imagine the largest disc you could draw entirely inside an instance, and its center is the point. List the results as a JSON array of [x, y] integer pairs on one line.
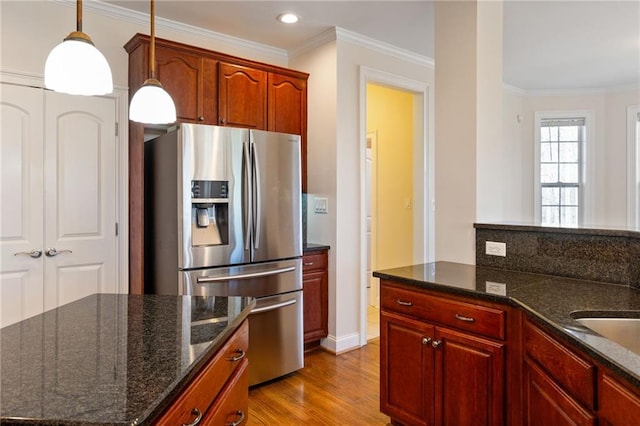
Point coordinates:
[[575, 44]]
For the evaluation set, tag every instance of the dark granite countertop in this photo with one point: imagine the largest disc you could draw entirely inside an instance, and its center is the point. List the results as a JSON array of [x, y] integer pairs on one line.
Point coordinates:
[[607, 231], [311, 247], [110, 359], [548, 298]]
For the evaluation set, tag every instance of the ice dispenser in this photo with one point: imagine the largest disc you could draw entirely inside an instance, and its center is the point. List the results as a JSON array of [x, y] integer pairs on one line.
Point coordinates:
[[209, 212]]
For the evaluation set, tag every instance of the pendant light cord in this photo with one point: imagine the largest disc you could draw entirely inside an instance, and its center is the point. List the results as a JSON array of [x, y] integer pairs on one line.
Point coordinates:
[[79, 16], [152, 49]]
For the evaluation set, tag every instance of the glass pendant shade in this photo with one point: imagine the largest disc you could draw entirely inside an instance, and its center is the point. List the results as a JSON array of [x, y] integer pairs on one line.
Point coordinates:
[[151, 104], [76, 67]]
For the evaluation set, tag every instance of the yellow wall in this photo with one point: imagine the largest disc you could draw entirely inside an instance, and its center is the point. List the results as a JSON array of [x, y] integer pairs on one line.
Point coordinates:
[[390, 116]]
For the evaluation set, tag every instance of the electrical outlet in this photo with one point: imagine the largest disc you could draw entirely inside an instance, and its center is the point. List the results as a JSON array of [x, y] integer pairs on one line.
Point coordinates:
[[493, 248], [496, 288], [321, 206]]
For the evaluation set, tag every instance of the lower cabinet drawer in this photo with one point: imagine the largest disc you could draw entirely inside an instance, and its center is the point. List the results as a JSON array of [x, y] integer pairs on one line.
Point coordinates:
[[575, 374], [232, 406], [198, 396], [478, 319]]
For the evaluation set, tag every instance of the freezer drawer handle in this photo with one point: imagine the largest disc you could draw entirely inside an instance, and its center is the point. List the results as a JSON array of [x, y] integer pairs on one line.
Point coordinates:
[[246, 276], [272, 307], [198, 414], [238, 357]]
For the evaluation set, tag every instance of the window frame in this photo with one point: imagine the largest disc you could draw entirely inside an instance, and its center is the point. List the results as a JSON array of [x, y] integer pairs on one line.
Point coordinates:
[[586, 167], [633, 165]]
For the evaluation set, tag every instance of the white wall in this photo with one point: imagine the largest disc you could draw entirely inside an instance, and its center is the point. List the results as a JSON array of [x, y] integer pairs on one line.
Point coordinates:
[[334, 169], [608, 150], [30, 29]]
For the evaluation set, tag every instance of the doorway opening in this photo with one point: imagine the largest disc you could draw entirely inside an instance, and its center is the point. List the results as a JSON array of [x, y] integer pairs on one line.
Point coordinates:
[[397, 228]]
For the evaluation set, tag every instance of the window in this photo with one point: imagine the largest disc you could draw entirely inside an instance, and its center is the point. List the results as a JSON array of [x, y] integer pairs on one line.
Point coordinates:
[[560, 170]]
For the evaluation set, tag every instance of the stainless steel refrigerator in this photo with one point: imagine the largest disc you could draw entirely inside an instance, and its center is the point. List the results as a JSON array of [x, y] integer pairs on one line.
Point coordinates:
[[223, 217]]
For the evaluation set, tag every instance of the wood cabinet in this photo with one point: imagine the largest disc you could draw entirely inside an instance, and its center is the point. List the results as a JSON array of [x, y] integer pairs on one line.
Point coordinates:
[[618, 405], [242, 97], [190, 79], [563, 386], [315, 291], [220, 392], [209, 88], [432, 370]]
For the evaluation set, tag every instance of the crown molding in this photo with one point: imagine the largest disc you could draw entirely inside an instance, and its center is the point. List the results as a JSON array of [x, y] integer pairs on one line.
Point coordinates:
[[569, 92], [337, 33], [122, 14]]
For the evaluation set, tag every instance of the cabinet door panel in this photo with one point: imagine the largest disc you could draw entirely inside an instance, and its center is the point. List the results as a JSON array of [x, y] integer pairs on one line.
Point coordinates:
[[314, 290], [406, 368], [473, 394], [181, 76], [546, 403], [242, 97]]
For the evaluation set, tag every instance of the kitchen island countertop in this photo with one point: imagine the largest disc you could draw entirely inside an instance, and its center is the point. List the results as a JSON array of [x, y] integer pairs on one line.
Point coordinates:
[[110, 359], [551, 299]]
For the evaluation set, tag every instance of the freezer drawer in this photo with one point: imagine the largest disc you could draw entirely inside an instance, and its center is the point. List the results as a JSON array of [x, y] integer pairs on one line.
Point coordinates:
[[254, 280], [275, 337]]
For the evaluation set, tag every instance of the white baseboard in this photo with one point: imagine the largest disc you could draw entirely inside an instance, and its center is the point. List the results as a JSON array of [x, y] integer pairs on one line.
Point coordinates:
[[341, 344]]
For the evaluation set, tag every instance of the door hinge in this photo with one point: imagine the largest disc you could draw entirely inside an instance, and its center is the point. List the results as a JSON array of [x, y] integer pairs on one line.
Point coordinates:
[[116, 229], [117, 129]]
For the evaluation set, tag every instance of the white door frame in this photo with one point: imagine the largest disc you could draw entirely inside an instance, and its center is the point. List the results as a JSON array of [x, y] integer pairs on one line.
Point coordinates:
[[121, 96], [633, 166], [423, 250]]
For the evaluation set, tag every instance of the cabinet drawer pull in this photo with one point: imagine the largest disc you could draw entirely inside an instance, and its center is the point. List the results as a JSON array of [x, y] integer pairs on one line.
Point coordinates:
[[308, 263], [436, 343], [238, 357], [198, 414], [426, 340], [403, 303], [240, 415], [463, 318]]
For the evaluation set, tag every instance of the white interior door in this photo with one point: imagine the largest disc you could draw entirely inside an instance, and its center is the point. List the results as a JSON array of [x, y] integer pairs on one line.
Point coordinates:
[[80, 198], [21, 203]]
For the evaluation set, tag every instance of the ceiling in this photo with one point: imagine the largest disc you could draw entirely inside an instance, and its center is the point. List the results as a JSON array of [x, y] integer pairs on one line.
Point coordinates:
[[548, 45]]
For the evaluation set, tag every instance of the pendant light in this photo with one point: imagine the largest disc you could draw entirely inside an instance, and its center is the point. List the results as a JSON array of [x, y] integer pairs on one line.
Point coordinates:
[[151, 104], [76, 67]]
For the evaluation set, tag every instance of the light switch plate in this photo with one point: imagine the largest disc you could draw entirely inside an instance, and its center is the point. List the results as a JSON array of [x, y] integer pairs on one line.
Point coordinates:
[[321, 206]]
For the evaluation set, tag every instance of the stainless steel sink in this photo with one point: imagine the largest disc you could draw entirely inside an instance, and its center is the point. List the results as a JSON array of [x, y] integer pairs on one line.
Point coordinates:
[[620, 327]]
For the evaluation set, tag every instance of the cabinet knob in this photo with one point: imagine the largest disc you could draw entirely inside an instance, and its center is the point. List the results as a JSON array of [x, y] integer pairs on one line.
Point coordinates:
[[222, 121], [200, 118], [436, 343], [426, 340]]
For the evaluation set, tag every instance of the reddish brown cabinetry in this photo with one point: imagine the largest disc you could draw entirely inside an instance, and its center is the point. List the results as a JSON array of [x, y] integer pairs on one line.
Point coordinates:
[[432, 370], [242, 97], [617, 404], [220, 391], [209, 88], [315, 297]]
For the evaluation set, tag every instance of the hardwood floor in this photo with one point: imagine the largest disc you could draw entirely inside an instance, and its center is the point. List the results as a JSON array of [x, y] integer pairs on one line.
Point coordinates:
[[329, 390]]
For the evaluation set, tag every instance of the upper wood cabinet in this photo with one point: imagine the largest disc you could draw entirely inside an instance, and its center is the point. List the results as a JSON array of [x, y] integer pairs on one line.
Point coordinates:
[[242, 97], [191, 81], [209, 88]]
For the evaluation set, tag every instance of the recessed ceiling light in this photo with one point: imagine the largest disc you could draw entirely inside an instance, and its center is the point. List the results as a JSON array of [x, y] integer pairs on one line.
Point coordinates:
[[288, 18]]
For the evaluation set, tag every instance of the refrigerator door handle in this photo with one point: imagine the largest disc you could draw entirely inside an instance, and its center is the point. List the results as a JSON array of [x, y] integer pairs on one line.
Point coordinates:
[[250, 275], [257, 202], [246, 159], [272, 307]]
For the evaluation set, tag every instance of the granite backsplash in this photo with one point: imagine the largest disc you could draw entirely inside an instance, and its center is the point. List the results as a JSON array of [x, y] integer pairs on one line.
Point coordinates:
[[604, 255]]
